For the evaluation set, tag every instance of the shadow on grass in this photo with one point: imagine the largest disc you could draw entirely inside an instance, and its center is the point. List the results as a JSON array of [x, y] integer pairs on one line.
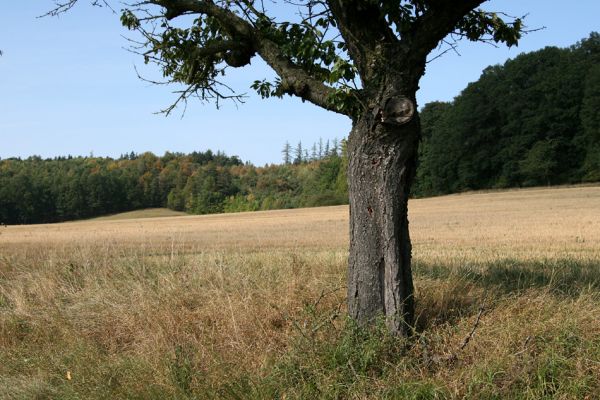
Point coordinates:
[[458, 291], [351, 361], [565, 277], [345, 360]]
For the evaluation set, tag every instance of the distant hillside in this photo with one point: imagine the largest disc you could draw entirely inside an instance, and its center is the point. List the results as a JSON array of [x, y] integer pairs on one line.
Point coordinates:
[[533, 121], [66, 188]]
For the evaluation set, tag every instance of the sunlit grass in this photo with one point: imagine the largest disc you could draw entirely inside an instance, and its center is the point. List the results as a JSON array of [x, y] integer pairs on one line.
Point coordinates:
[[145, 213], [252, 305]]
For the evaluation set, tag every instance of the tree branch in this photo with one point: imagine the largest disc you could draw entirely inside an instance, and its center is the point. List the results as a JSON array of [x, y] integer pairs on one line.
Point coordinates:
[[242, 38], [363, 28], [470, 335], [64, 6], [234, 24], [294, 80], [436, 23]]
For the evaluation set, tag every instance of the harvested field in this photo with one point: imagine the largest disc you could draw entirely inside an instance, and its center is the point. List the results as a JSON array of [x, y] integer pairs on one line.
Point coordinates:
[[251, 305]]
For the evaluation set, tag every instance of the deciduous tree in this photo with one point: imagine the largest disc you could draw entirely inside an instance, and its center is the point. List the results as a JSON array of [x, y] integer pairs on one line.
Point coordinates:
[[359, 58]]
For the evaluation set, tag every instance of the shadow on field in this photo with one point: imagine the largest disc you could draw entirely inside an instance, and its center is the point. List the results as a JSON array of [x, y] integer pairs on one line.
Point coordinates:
[[451, 292], [565, 277]]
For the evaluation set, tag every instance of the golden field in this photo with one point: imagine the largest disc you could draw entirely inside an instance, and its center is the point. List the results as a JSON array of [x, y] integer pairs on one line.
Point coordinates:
[[251, 305]]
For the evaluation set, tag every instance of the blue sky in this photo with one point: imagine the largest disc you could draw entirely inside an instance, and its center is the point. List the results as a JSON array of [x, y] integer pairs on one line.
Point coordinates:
[[68, 86]]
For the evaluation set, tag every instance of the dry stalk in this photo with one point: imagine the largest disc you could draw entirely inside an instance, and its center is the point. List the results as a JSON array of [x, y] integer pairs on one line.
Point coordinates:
[[470, 335]]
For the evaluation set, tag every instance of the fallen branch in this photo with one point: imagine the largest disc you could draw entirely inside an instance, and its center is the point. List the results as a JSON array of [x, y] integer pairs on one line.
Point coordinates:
[[453, 356], [470, 335], [325, 293]]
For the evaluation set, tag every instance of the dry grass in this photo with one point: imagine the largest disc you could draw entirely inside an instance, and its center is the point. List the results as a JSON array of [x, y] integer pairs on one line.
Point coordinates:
[[251, 305], [145, 213]]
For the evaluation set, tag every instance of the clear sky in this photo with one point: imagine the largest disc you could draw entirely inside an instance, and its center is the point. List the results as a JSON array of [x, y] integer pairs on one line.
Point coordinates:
[[68, 86]]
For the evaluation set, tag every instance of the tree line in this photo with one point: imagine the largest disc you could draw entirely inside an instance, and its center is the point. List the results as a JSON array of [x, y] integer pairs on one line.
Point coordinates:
[[36, 190], [318, 151], [532, 121]]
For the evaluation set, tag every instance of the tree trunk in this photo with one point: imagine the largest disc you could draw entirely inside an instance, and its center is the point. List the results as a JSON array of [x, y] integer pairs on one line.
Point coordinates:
[[382, 162]]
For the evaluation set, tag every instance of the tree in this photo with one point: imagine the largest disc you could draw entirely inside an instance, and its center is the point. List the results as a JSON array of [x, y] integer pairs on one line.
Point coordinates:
[[359, 58], [591, 122], [286, 153], [320, 154], [335, 147], [430, 115], [528, 122], [299, 154], [313, 152], [541, 163]]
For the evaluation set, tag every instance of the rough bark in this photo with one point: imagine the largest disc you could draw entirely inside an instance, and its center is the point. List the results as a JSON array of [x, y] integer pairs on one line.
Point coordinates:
[[381, 169]]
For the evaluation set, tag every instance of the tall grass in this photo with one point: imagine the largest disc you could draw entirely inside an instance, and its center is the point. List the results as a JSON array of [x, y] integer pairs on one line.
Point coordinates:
[[272, 325], [156, 313]]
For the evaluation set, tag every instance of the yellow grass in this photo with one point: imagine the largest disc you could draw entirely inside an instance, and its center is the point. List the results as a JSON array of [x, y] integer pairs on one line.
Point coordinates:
[[167, 307], [523, 224], [145, 213]]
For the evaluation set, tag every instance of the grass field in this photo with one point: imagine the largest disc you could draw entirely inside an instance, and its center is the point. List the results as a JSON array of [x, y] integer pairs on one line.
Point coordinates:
[[145, 213], [251, 305]]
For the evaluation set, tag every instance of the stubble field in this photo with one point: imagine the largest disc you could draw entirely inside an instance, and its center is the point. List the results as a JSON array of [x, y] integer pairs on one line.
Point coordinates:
[[251, 305]]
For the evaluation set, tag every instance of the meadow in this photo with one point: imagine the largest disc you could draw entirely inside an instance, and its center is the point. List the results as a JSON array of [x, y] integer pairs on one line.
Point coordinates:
[[252, 305]]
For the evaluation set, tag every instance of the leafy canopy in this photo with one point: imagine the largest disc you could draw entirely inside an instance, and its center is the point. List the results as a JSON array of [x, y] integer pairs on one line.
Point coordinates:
[[328, 52]]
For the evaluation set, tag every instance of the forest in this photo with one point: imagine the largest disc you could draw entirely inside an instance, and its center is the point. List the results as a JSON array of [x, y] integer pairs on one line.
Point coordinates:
[[532, 121], [66, 188]]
